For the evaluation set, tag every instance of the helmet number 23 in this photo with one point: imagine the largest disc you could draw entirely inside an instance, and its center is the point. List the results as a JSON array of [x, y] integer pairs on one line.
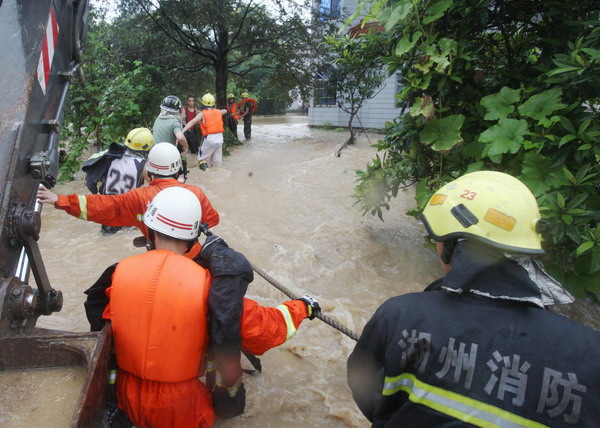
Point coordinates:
[[467, 194]]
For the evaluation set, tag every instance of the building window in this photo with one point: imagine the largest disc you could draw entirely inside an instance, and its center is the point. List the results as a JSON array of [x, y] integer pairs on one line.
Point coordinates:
[[324, 94], [330, 9]]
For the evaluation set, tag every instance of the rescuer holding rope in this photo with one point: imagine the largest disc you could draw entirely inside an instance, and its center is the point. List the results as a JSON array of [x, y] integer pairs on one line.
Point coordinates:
[[479, 346], [159, 306]]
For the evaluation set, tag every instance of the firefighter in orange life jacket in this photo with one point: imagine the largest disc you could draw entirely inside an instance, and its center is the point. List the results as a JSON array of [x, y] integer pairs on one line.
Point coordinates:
[[163, 167], [159, 304], [211, 125], [233, 116]]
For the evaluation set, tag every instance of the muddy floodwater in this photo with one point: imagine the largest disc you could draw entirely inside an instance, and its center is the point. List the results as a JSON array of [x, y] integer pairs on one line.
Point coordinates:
[[41, 397], [285, 202]]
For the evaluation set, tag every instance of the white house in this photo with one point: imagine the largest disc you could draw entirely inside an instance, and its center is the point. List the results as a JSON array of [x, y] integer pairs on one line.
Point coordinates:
[[377, 110]]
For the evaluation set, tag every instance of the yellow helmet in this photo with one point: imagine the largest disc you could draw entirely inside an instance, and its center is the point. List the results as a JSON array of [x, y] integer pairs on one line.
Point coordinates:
[[489, 206], [208, 100], [245, 95], [140, 140], [230, 96]]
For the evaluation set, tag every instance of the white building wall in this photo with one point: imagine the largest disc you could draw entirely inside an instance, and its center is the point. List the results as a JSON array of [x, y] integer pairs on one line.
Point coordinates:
[[374, 113]]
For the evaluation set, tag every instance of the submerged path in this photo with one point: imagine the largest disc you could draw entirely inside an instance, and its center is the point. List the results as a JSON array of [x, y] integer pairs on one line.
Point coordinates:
[[285, 202]]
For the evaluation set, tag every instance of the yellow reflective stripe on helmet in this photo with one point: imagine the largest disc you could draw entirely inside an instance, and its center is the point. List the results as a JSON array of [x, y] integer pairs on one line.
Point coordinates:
[[83, 207], [291, 328], [452, 404]]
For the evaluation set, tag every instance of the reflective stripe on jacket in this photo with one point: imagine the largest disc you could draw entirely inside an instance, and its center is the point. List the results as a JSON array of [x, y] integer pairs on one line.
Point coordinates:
[[432, 358], [264, 328], [212, 123], [128, 209], [159, 313]]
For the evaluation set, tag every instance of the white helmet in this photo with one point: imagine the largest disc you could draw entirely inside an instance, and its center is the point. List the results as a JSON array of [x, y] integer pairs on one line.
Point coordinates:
[[164, 159], [175, 212]]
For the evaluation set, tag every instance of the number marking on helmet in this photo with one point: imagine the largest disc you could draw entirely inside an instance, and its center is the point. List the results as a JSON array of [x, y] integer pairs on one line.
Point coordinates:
[[467, 194]]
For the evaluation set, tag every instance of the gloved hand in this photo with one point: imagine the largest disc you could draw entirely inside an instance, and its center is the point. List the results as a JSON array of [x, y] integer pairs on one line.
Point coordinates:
[[312, 306]]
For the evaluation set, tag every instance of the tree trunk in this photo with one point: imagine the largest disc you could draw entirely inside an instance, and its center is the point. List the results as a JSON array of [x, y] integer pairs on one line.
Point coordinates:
[[351, 140], [221, 82], [221, 69]]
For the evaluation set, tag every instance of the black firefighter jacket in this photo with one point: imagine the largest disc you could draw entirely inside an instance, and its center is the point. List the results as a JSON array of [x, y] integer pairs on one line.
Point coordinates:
[[454, 358]]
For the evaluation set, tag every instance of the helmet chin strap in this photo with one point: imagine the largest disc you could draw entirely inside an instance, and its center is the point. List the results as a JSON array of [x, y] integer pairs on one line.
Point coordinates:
[[448, 251], [150, 242]]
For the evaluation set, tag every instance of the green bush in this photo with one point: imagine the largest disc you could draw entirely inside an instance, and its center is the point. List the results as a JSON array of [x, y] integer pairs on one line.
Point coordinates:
[[511, 86]]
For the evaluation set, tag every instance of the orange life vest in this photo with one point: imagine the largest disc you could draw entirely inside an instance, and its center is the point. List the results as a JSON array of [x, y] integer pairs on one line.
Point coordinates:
[[159, 313], [212, 123], [233, 110]]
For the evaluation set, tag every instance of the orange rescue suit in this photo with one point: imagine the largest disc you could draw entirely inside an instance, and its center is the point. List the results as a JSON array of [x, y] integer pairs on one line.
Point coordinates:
[[212, 123], [128, 208], [159, 312], [146, 314]]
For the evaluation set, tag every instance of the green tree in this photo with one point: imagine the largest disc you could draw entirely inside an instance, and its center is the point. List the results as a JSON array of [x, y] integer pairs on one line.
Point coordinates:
[[356, 75], [230, 37], [110, 104], [508, 85]]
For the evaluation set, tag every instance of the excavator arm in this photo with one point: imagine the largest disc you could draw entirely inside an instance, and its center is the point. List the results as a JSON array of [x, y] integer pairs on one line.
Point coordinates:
[[40, 45]]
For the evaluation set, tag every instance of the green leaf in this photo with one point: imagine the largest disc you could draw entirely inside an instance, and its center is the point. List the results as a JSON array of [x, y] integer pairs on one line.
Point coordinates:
[[567, 124], [501, 104], [534, 173], [436, 11], [564, 140], [399, 13], [562, 70], [584, 247], [584, 125], [560, 200], [567, 218], [407, 42], [474, 167], [423, 107], [505, 137], [422, 193], [542, 104], [444, 133]]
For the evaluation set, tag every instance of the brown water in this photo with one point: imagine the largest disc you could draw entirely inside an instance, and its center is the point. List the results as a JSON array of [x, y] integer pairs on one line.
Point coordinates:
[[40, 398], [284, 201]]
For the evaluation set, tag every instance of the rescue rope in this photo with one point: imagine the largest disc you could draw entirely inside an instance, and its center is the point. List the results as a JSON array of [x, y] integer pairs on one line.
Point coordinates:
[[326, 319]]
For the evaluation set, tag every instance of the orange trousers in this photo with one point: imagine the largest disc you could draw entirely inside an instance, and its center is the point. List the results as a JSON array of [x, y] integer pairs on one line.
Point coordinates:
[[151, 403]]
